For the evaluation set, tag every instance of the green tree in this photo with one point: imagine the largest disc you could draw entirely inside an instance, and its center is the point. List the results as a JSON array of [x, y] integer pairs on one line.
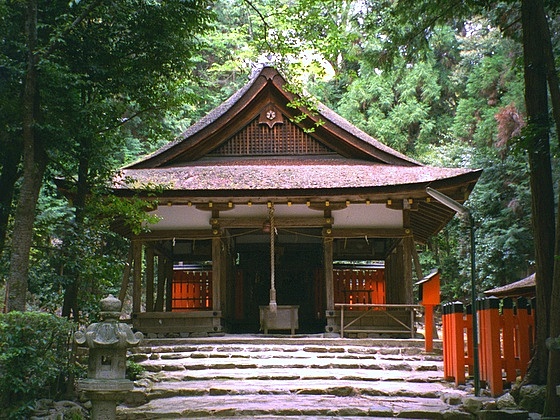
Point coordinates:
[[408, 27], [85, 68]]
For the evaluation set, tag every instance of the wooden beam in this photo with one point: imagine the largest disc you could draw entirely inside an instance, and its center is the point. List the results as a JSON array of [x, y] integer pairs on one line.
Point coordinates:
[[280, 222], [370, 232], [158, 235]]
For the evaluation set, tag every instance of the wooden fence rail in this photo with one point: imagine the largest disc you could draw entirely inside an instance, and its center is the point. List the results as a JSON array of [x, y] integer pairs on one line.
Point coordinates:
[[379, 318], [506, 339]]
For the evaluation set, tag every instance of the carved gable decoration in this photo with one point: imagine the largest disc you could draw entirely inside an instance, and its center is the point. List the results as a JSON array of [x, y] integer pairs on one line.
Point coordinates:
[[267, 139], [271, 115]]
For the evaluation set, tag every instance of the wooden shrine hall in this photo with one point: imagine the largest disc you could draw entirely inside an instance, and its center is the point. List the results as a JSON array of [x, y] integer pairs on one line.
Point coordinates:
[[270, 221]]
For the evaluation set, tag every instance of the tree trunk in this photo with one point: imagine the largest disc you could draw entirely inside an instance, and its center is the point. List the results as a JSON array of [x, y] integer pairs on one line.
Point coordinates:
[[10, 172], [34, 164], [70, 305], [552, 75], [552, 403], [542, 192]]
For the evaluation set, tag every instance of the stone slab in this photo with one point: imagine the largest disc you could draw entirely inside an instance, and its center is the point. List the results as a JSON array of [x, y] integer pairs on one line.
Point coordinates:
[[287, 406]]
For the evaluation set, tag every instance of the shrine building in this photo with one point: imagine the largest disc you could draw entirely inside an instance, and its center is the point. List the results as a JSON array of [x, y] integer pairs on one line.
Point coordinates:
[[263, 214]]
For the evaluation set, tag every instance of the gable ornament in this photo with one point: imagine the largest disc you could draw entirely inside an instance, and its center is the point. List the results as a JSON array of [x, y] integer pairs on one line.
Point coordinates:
[[270, 115]]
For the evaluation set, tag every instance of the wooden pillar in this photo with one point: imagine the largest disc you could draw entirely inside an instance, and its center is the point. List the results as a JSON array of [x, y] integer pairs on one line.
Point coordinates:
[[217, 262], [408, 250], [225, 274], [126, 276], [394, 275], [329, 281], [158, 307], [407, 292], [137, 277], [149, 279], [169, 284]]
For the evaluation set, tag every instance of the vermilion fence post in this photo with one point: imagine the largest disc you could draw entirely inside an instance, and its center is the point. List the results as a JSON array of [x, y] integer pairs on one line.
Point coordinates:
[[523, 334], [506, 339], [469, 347], [446, 333], [509, 343], [429, 292], [454, 343], [490, 344]]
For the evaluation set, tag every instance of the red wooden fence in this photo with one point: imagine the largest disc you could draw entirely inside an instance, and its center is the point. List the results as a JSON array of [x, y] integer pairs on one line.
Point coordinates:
[[359, 286], [192, 290], [506, 338]]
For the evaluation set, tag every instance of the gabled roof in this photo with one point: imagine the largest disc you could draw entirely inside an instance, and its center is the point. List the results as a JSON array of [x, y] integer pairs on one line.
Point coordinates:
[[263, 93], [248, 174], [254, 147], [523, 287]]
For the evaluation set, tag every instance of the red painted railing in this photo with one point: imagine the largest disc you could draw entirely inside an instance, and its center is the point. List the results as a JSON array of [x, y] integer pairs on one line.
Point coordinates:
[[506, 338], [192, 290]]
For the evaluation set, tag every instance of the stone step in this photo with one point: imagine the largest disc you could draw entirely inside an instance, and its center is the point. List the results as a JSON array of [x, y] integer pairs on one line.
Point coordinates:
[[279, 377], [328, 344], [336, 387], [292, 368], [293, 406], [301, 353], [282, 373], [282, 348]]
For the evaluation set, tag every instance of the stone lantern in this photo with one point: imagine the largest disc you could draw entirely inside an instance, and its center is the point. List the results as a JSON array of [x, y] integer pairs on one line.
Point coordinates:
[[107, 341]]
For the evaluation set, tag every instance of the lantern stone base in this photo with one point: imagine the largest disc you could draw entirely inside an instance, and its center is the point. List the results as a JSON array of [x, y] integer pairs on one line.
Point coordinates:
[[104, 395]]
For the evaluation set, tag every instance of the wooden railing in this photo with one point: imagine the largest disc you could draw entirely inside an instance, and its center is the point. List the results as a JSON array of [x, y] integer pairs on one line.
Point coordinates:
[[377, 318], [506, 338]]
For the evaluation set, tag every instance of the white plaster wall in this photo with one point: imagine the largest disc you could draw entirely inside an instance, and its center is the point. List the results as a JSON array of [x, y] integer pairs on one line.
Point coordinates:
[[354, 216]]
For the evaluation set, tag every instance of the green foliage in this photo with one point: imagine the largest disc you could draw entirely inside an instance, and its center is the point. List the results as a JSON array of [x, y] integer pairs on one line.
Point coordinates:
[[134, 370], [432, 79], [108, 75], [34, 360], [92, 249]]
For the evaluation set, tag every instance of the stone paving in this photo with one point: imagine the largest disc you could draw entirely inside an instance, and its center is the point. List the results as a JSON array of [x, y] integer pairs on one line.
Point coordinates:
[[312, 377]]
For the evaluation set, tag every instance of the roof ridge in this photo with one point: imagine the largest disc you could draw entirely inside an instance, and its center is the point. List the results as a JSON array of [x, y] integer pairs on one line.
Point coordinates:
[[387, 154]]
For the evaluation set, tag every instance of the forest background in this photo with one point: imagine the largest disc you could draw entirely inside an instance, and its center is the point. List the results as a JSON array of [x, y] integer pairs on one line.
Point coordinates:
[[442, 82]]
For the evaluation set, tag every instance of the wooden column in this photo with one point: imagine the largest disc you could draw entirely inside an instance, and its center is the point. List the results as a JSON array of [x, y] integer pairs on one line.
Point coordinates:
[[394, 275], [408, 250], [329, 282], [224, 276], [407, 292], [160, 295], [217, 272], [126, 276], [149, 279], [137, 277], [168, 284]]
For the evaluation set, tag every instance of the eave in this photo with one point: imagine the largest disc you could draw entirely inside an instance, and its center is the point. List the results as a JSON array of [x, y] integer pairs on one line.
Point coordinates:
[[236, 113]]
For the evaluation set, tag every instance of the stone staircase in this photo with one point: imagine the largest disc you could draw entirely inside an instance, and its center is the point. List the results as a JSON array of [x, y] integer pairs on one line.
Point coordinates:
[[290, 377]]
